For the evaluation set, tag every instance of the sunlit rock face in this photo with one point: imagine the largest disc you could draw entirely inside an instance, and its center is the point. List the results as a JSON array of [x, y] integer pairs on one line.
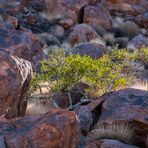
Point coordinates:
[[15, 74], [58, 128]]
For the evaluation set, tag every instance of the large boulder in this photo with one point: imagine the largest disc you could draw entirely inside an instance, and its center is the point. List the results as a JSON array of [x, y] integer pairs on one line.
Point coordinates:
[[122, 115], [97, 16], [58, 128], [82, 33], [15, 74], [93, 50], [126, 104], [139, 41], [20, 43], [125, 7], [65, 8]]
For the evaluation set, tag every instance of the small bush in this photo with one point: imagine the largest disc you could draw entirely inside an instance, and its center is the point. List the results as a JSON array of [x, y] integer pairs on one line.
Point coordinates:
[[112, 71], [142, 55]]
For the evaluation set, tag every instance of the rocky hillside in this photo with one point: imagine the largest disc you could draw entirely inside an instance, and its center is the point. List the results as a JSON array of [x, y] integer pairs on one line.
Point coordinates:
[[29, 31]]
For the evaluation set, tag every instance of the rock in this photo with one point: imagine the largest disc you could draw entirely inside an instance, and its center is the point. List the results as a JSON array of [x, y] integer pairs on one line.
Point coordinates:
[[145, 19], [20, 43], [58, 128], [65, 9], [13, 21], [124, 7], [100, 30], [38, 5], [61, 99], [93, 50], [58, 31], [15, 74], [49, 39], [66, 23], [98, 16], [85, 116], [130, 29], [31, 19], [125, 104], [138, 42], [142, 20], [82, 33], [108, 143]]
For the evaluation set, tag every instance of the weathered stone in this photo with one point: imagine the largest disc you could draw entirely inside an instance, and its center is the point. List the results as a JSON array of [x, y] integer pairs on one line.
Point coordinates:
[[15, 74], [20, 43], [108, 143], [130, 29], [58, 31], [138, 42], [58, 128], [125, 7], [142, 20], [97, 15], [125, 104], [85, 116], [93, 50], [82, 33], [66, 23], [65, 8]]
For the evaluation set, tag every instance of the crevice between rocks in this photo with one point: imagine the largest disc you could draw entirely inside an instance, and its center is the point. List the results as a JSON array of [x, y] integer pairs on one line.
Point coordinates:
[[96, 113], [81, 15], [5, 142]]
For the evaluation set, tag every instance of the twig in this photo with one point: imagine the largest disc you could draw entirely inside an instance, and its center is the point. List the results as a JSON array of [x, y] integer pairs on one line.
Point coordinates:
[[69, 97]]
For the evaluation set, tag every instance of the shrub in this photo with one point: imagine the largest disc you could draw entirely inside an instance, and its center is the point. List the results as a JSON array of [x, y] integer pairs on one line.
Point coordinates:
[[142, 55], [63, 72], [112, 71]]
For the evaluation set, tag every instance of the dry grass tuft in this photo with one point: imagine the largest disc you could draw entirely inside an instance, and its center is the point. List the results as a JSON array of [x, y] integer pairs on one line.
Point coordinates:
[[119, 130], [38, 107]]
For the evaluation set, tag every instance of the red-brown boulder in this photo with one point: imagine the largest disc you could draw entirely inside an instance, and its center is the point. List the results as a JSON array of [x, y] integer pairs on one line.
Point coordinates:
[[15, 74], [82, 33], [97, 16], [20, 43], [56, 129], [65, 8], [126, 7]]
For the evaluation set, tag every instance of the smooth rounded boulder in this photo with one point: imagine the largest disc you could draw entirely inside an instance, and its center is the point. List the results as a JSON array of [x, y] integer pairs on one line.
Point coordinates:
[[93, 50], [82, 33]]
